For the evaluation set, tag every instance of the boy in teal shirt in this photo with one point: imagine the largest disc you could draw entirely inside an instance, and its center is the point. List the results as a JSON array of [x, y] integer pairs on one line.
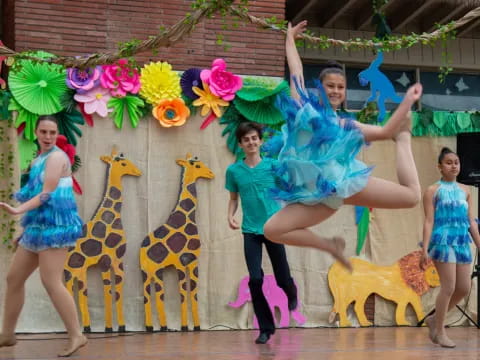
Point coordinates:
[[249, 180]]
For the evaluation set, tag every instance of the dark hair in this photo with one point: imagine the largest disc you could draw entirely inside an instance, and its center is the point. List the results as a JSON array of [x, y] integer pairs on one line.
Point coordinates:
[[444, 152], [246, 127], [45, 118], [332, 67]]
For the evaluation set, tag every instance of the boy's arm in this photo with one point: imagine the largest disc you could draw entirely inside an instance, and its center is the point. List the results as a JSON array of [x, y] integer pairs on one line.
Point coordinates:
[[232, 209]]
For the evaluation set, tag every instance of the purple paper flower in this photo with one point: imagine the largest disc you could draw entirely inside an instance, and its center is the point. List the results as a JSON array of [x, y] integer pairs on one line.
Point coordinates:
[[189, 79], [83, 80]]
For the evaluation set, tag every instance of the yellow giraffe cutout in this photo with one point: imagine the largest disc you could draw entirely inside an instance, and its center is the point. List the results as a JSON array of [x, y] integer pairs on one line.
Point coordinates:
[[103, 243], [175, 243]]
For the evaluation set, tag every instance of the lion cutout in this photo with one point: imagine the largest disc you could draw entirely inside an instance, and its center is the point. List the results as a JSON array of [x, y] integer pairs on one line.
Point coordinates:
[[403, 283]]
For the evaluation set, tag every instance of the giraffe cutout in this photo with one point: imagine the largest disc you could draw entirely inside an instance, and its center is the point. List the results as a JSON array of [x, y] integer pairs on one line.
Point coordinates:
[[175, 243], [103, 243]]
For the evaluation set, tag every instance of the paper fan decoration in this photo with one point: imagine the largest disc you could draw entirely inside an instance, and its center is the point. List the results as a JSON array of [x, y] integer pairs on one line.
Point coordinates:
[[27, 150], [189, 79], [38, 87], [159, 82], [132, 105], [258, 89], [24, 118], [68, 125]]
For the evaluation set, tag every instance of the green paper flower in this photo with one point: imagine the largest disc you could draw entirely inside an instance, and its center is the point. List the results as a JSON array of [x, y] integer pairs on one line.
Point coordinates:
[[24, 116], [27, 150], [132, 104]]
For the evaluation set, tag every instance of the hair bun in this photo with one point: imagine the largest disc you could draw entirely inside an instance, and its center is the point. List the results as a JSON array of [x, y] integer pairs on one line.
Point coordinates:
[[332, 64]]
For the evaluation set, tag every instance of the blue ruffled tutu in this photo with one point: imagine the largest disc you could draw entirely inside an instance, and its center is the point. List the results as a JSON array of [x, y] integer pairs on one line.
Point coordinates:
[[55, 223], [316, 152]]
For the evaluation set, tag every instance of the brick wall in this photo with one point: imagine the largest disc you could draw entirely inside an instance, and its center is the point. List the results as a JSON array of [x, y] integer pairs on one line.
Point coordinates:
[[68, 27]]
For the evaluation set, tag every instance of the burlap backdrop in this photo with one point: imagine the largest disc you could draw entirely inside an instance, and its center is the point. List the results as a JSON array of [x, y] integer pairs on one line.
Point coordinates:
[[149, 199]]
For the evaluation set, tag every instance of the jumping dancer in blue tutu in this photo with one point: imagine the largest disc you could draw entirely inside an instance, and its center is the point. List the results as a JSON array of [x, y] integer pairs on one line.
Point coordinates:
[[449, 222], [51, 224], [317, 170]]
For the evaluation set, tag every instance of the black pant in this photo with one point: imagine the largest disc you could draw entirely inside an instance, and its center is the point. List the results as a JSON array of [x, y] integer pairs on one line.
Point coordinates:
[[253, 257]]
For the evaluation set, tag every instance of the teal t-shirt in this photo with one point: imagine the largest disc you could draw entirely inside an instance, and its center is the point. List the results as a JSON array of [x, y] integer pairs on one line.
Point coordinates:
[[252, 185]]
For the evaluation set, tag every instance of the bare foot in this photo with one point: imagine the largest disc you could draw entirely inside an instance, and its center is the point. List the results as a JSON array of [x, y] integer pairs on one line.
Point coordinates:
[[339, 246], [73, 345], [430, 322], [7, 340], [444, 341]]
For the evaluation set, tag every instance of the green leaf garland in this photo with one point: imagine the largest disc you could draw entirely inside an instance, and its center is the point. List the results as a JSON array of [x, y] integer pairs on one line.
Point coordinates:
[[133, 106]]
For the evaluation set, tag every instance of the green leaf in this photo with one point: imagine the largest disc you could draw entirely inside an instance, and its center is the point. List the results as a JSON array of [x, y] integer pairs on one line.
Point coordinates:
[[362, 229], [24, 116], [67, 125], [463, 120], [27, 150], [133, 106]]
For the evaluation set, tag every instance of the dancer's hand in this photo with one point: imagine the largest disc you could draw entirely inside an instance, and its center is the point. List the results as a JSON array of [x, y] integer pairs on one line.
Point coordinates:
[[414, 92], [233, 223], [424, 260], [295, 31], [10, 209]]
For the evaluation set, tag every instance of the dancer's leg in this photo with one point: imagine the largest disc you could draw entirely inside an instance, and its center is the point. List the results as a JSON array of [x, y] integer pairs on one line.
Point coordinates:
[[23, 265], [51, 263], [289, 226]]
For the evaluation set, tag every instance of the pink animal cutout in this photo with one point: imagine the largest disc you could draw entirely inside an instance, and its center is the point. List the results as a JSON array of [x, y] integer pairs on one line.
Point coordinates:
[[276, 298]]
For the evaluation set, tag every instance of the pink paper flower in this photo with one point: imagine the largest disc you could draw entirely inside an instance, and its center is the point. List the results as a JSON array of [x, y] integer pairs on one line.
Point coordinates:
[[222, 83], [120, 79], [95, 101]]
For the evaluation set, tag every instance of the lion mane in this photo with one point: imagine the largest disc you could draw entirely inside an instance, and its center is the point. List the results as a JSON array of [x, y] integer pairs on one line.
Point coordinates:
[[413, 274]]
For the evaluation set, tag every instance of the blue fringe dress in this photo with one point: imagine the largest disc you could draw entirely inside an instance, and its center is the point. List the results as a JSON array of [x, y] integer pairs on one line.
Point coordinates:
[[450, 240], [55, 223], [316, 152]]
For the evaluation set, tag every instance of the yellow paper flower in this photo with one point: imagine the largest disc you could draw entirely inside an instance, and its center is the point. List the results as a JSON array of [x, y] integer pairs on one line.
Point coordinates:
[[171, 112], [208, 101], [159, 82]]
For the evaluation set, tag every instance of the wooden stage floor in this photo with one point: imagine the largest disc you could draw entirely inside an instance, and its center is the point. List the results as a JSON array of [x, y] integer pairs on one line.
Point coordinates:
[[287, 344]]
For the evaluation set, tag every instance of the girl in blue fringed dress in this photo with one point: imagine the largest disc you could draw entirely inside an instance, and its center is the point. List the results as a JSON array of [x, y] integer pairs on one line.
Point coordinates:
[[449, 222], [51, 224], [317, 170]]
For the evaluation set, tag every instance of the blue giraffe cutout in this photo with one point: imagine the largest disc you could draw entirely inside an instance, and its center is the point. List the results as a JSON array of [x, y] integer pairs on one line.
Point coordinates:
[[379, 83]]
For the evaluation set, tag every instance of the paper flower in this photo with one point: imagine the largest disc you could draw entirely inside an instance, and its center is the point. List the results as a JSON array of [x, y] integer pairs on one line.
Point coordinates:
[[189, 79], [95, 101], [222, 83], [159, 82], [69, 149], [171, 112], [208, 101], [120, 79], [83, 80]]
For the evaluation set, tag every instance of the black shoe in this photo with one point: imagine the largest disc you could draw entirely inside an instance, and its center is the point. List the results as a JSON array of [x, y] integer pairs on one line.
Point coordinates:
[[292, 303], [262, 338]]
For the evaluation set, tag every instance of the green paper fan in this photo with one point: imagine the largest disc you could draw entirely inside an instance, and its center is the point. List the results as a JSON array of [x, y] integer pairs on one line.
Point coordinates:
[[258, 90], [27, 150], [38, 87], [67, 125], [463, 120], [132, 104], [232, 118], [262, 111], [24, 116]]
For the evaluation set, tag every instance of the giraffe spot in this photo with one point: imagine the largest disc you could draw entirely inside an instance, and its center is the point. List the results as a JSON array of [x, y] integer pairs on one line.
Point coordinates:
[[195, 297], [162, 296], [76, 260], [105, 263], [121, 250], [106, 282], [176, 219], [113, 239], [84, 230], [187, 258], [160, 232], [181, 274], [91, 247], [157, 287], [187, 204], [80, 285], [117, 296], [176, 242], [117, 224], [108, 216], [144, 276], [85, 292], [146, 241], [191, 229], [118, 206], [99, 230], [159, 274], [120, 266], [67, 275], [148, 289], [191, 216], [192, 189], [193, 285], [107, 203], [182, 298], [157, 253], [118, 279], [115, 193], [71, 248], [145, 300], [195, 272], [193, 244]]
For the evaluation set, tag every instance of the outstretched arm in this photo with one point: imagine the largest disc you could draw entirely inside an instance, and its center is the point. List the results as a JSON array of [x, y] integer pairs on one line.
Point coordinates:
[[293, 58]]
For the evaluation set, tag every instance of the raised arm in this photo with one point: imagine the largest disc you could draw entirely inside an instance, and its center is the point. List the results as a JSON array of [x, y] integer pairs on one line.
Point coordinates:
[[293, 58]]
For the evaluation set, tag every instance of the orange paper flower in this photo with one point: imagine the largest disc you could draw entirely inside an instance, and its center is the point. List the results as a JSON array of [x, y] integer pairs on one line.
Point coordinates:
[[171, 112], [208, 101]]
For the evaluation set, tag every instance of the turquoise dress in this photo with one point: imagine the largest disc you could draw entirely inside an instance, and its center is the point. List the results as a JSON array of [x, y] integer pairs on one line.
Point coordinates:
[[316, 152], [450, 240], [55, 223]]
